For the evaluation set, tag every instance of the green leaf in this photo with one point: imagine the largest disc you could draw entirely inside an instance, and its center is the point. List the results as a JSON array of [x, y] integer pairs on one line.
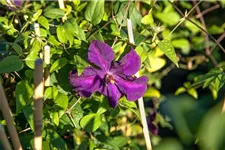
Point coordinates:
[[95, 11], [193, 28], [142, 53], [56, 142], [55, 117], [91, 122], [52, 40], [54, 13], [61, 103], [180, 90], [183, 44], [107, 141], [68, 27], [80, 64], [168, 16], [51, 92], [152, 92], [168, 49], [30, 59], [18, 49], [147, 19], [28, 113], [58, 64], [77, 113], [120, 141], [79, 32], [36, 15], [202, 78], [43, 21], [61, 34], [10, 64], [123, 102], [193, 93], [23, 93]]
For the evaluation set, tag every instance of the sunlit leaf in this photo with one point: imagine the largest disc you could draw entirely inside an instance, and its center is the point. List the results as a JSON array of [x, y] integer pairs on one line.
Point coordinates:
[[180, 90], [58, 64], [43, 21], [152, 92], [91, 122], [95, 11], [54, 13], [61, 34], [169, 51], [193, 93]]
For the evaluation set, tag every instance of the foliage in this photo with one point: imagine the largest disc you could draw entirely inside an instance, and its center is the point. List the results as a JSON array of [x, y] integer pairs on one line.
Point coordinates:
[[164, 40]]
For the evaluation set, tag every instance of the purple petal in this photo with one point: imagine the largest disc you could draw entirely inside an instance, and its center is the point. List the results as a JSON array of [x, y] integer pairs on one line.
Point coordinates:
[[87, 83], [132, 89], [113, 95], [153, 128], [18, 2], [101, 55], [130, 63]]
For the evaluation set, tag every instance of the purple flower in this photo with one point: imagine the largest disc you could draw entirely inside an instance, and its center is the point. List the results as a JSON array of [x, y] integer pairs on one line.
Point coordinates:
[[112, 79], [152, 127], [14, 4]]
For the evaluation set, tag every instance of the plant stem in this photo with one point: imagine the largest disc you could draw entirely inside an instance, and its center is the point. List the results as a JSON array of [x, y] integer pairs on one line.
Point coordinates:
[[140, 100]]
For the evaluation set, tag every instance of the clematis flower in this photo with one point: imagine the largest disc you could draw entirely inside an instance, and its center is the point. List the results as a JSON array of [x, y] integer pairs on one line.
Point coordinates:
[[112, 79], [14, 4]]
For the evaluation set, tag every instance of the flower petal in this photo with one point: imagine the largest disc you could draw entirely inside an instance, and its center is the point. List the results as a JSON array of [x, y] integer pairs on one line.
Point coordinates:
[[113, 95], [133, 89], [87, 83], [101, 55], [130, 63]]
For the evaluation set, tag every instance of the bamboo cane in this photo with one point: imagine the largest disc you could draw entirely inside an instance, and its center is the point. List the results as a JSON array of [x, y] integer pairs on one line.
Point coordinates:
[[38, 103], [62, 6], [47, 62], [37, 30], [3, 139], [140, 100], [9, 120]]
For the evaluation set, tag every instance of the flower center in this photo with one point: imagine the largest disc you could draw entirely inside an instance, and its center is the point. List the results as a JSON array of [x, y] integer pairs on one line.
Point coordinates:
[[109, 78]]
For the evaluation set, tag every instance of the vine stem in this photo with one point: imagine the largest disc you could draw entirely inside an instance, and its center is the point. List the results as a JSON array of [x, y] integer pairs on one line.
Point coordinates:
[[140, 100]]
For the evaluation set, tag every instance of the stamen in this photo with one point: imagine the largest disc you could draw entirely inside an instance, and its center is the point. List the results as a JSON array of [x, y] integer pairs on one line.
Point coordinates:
[[109, 79]]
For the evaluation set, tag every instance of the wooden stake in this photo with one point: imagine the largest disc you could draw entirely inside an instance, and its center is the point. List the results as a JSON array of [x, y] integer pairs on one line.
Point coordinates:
[[38, 103], [62, 6], [140, 100], [9, 120], [37, 30], [47, 62], [3, 139]]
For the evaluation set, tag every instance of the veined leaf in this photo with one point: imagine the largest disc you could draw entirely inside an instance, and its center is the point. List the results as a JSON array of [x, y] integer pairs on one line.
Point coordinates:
[[91, 122], [58, 64], [95, 11], [10, 64], [23, 94], [168, 49], [54, 13], [61, 34]]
